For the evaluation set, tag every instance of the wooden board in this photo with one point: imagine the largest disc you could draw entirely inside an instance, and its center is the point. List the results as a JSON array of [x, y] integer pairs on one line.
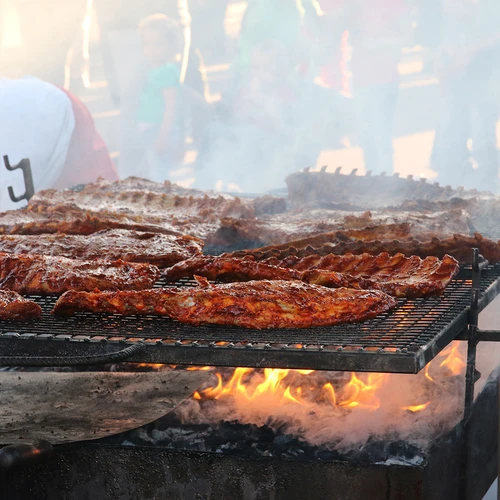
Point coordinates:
[[66, 407]]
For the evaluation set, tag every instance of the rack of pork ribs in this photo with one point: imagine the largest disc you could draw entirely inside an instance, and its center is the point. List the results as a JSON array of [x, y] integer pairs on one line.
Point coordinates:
[[324, 186], [125, 260], [369, 313], [360, 241]]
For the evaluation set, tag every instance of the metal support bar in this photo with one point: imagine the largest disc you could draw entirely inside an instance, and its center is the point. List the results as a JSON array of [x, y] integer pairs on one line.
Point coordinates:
[[473, 335], [488, 335], [471, 374], [98, 359]]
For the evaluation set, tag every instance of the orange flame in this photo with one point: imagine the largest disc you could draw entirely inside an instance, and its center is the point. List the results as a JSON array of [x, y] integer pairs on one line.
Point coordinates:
[[361, 392], [154, 366], [454, 361], [426, 373], [416, 408]]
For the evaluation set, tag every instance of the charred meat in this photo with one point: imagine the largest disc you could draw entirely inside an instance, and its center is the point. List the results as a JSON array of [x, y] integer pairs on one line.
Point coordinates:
[[397, 275]]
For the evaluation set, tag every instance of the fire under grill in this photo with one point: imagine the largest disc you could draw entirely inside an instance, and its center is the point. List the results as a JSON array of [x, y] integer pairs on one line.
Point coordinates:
[[114, 468], [401, 341]]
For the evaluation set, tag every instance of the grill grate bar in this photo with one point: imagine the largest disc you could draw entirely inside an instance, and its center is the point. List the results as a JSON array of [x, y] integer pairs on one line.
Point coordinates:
[[403, 340]]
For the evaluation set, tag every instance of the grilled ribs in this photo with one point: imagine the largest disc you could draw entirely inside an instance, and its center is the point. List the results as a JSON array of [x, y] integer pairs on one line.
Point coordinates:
[[255, 304], [314, 227], [396, 275], [13, 306], [457, 246], [223, 222], [194, 215], [197, 217], [133, 183], [232, 270], [44, 275], [147, 196], [40, 218], [229, 269], [138, 201], [111, 244], [371, 191]]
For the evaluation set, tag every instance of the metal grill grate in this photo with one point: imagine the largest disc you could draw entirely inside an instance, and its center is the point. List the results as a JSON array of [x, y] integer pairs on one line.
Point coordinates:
[[404, 340]]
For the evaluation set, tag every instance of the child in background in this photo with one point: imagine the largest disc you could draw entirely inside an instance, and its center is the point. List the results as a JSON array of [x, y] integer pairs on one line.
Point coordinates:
[[159, 114]]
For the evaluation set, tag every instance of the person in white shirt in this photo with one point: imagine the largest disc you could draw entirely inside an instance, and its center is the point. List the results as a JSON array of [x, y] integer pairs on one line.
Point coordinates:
[[55, 131], [36, 122]]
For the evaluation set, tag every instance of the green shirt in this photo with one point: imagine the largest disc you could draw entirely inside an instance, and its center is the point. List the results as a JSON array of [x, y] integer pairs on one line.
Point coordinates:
[[152, 103], [268, 20]]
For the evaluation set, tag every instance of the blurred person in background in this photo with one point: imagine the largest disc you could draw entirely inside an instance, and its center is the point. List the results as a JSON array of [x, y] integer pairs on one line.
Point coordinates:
[[252, 146], [274, 118], [55, 131], [468, 68], [378, 29], [126, 68], [331, 31], [266, 20], [159, 114], [327, 89], [208, 30], [48, 30], [429, 19]]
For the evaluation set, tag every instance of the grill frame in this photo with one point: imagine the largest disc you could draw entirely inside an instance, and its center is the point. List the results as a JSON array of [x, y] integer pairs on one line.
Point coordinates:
[[188, 345]]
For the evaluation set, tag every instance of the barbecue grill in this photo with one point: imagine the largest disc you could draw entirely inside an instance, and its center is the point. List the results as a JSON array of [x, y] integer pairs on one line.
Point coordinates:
[[108, 470], [404, 340], [401, 341]]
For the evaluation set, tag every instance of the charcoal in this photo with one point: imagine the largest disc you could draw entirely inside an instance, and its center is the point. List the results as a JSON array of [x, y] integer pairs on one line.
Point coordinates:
[[252, 441], [376, 450], [284, 440], [141, 437]]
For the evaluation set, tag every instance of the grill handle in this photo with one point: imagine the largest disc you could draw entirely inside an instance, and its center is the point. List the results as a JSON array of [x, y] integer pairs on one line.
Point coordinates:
[[20, 454], [25, 166], [99, 359]]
